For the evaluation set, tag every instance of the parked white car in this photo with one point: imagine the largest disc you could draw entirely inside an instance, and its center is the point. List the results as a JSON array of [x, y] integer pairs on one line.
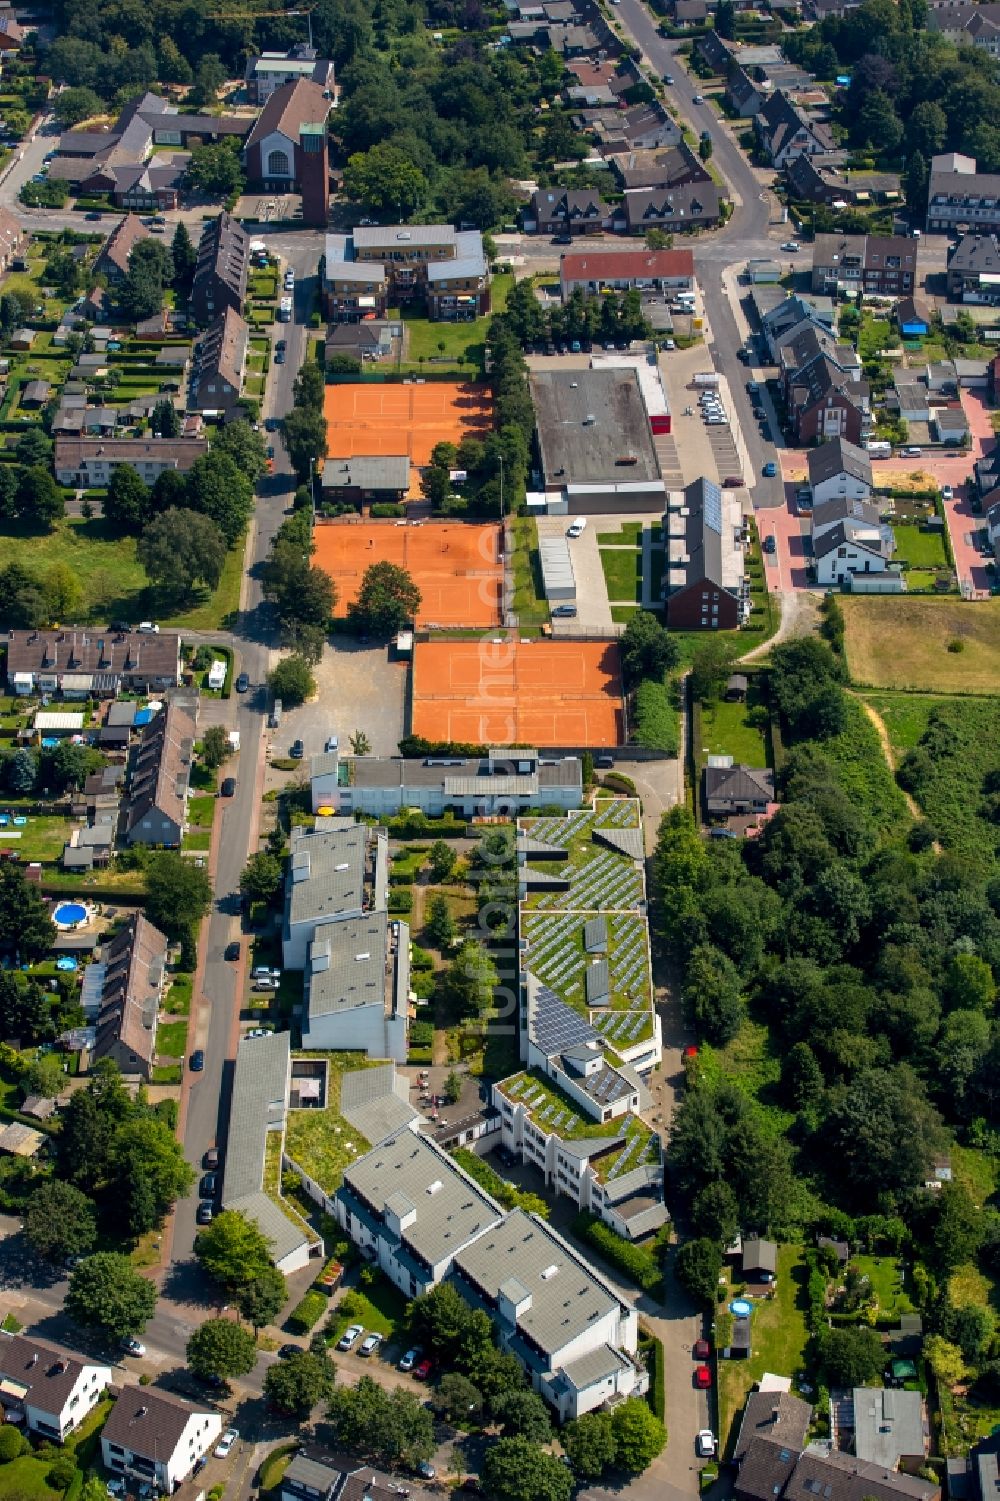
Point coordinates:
[[226, 1442], [349, 1336]]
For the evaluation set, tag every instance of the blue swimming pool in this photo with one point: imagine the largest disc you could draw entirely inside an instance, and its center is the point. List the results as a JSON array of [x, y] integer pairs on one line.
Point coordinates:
[[66, 963], [68, 914]]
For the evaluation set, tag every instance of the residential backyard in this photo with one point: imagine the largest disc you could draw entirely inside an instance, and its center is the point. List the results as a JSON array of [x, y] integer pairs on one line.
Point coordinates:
[[918, 548], [779, 1337], [730, 729]]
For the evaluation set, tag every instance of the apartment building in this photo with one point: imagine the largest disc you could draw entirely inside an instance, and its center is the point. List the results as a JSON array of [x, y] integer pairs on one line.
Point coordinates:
[[88, 663], [220, 365], [597, 272], [220, 273], [337, 871], [89, 463], [268, 71], [959, 197], [156, 1439], [47, 1389], [501, 783], [878, 265], [375, 265], [357, 987]]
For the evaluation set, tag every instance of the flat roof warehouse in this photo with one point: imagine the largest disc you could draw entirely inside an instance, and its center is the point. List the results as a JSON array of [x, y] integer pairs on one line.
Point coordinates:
[[593, 428]]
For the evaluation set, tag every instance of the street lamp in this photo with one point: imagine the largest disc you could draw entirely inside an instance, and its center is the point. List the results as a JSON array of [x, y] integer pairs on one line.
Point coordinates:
[[501, 489], [312, 488]]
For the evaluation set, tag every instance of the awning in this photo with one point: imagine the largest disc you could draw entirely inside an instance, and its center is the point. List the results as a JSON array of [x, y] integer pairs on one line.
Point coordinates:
[[366, 302], [15, 1389]]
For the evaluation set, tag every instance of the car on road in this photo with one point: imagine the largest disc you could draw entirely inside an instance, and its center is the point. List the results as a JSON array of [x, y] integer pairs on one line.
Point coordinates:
[[298, 750], [409, 1360], [668, 79], [271, 424], [228, 788], [703, 1378], [269, 451], [423, 1370], [205, 1212], [331, 743], [150, 628], [907, 453], [752, 388], [133, 1346], [211, 1158], [243, 682], [760, 414], [701, 1349], [790, 247], [93, 216], [770, 469], [197, 1060], [426, 1471], [577, 528], [287, 1351], [350, 1335], [226, 1442], [947, 493], [279, 356], [769, 544], [209, 1184], [562, 239], [704, 1444], [370, 1344], [698, 99], [232, 950]]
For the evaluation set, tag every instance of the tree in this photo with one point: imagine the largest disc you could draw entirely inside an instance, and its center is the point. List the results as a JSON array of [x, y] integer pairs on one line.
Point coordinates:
[[440, 925], [294, 1386], [590, 1445], [210, 75], [39, 499], [647, 649], [216, 747], [63, 591], [33, 448], [927, 128], [360, 744], [182, 550], [262, 1296], [232, 1250], [713, 995], [178, 893], [106, 1292], [881, 1133], [515, 1469], [639, 1435], [453, 1087], [261, 878], [716, 1213], [68, 766], [697, 1265], [292, 681], [150, 270], [915, 182], [802, 1077], [443, 1324], [184, 256], [74, 105], [458, 1399], [877, 123], [20, 772], [467, 985], [164, 420], [711, 664], [387, 601], [391, 1427], [246, 448], [221, 1348], [524, 1414], [969, 984], [170, 491], [12, 1443], [852, 1357], [725, 20], [44, 1077], [957, 1232], [25, 925], [220, 490], [60, 1221], [127, 503], [442, 860], [148, 1171], [944, 1359], [304, 430], [385, 178]]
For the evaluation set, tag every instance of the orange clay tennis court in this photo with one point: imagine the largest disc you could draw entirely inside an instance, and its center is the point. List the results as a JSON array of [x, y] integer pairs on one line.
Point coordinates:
[[455, 565], [538, 693], [386, 418]]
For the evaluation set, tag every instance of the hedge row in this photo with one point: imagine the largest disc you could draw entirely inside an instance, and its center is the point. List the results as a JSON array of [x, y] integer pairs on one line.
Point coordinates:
[[655, 717], [307, 1312], [638, 1263]]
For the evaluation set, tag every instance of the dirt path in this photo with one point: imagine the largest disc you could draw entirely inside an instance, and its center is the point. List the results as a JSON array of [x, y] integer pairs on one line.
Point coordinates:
[[886, 744], [799, 611]]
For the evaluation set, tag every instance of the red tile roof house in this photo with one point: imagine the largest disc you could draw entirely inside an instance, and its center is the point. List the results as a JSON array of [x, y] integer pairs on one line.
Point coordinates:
[[591, 272], [134, 965], [286, 152], [48, 1389], [157, 808], [156, 1438]]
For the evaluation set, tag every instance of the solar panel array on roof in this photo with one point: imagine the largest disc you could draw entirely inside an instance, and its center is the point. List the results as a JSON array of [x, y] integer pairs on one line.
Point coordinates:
[[713, 506], [557, 1025]]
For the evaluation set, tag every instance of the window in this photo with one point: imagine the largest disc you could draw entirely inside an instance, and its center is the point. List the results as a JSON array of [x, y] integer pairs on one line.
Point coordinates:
[[277, 164]]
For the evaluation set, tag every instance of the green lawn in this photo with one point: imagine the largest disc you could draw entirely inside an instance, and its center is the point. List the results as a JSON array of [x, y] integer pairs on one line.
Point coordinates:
[[219, 609], [463, 343], [171, 1039], [627, 535], [887, 1282], [42, 838], [726, 731], [380, 1308], [198, 839], [321, 1141], [779, 1341], [201, 811], [24, 1480], [905, 715], [178, 1000], [622, 573], [919, 549], [529, 598]]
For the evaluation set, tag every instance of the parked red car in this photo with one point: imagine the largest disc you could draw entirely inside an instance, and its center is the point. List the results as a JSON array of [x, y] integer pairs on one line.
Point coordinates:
[[701, 1349], [703, 1378], [423, 1370]]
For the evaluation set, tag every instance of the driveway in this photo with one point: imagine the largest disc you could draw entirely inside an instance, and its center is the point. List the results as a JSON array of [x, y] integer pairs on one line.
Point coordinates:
[[592, 608], [788, 567]]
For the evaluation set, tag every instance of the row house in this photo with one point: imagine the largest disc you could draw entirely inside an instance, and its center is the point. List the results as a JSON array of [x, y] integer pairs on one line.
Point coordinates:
[[89, 463], [959, 197], [877, 265]]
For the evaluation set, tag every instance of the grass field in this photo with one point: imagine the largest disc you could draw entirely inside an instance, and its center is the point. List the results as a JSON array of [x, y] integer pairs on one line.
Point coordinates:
[[725, 731], [904, 715], [529, 600], [919, 549], [887, 1282], [171, 1039], [464, 343], [42, 838], [779, 1340], [24, 1480], [622, 573], [902, 643]]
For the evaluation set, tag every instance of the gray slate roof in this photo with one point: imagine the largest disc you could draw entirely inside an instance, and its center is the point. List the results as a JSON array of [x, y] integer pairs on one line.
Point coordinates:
[[838, 456], [375, 1101]]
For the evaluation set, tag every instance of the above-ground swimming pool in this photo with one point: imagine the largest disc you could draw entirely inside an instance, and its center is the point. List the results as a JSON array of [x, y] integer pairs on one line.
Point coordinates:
[[66, 963], [70, 914], [741, 1308]]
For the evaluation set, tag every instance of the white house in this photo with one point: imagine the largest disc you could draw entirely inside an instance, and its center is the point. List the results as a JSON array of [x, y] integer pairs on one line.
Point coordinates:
[[157, 1439], [48, 1389], [844, 550], [357, 987], [839, 470], [503, 782], [337, 871], [574, 1335]]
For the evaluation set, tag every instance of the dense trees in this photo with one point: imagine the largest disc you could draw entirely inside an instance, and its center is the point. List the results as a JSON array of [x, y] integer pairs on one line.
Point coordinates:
[[182, 551], [295, 1385], [60, 1221], [233, 1251], [515, 1469], [292, 681], [303, 595], [150, 272], [466, 986], [388, 600], [26, 929], [179, 895], [391, 1427]]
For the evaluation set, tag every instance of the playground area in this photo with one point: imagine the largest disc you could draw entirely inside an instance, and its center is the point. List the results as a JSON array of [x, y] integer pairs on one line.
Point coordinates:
[[409, 418], [456, 565], [510, 692]]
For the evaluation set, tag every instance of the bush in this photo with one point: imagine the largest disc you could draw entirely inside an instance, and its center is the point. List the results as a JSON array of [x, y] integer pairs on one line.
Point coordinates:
[[11, 1443], [617, 781], [655, 718], [400, 899], [418, 1057], [638, 1263], [383, 509], [422, 1034], [307, 1312]]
